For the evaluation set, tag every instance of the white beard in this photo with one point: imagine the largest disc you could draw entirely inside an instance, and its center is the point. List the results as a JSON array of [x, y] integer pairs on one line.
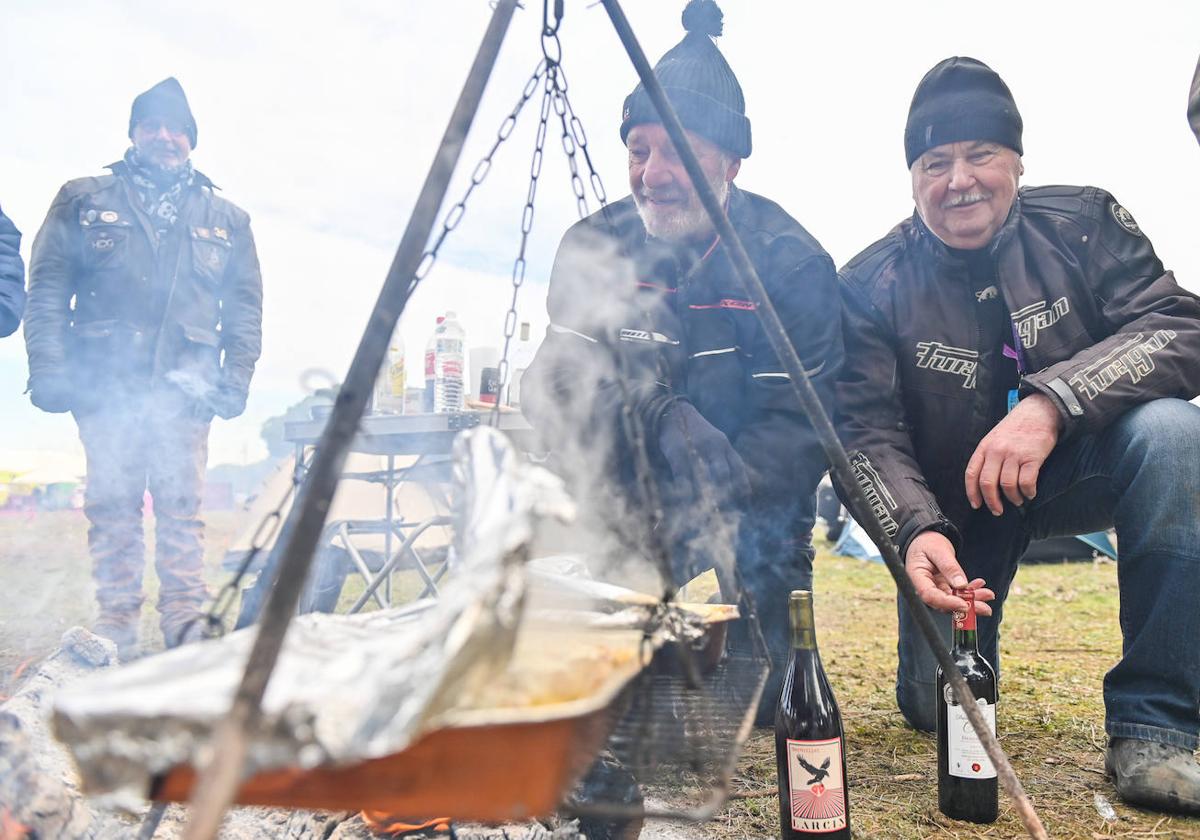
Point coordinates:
[[680, 224]]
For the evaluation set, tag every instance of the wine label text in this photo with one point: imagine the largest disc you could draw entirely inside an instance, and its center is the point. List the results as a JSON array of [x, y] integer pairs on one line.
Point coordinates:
[[967, 758]]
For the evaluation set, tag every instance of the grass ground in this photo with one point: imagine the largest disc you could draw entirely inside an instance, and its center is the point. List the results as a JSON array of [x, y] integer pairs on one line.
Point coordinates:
[[1061, 636]]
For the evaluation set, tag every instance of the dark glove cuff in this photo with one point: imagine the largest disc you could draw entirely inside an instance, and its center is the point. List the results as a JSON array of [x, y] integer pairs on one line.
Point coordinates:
[[915, 528]]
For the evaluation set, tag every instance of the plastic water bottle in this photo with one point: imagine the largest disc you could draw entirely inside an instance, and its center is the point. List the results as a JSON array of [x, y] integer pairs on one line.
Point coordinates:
[[449, 359], [430, 366]]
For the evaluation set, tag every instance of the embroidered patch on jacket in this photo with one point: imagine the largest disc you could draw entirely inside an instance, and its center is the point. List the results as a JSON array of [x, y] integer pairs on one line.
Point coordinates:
[[943, 358], [990, 293], [1133, 358], [878, 496], [1125, 219], [1030, 320]]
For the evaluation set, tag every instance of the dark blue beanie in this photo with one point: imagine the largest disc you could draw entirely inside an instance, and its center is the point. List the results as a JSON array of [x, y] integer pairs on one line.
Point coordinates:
[[961, 99], [165, 99], [699, 83]]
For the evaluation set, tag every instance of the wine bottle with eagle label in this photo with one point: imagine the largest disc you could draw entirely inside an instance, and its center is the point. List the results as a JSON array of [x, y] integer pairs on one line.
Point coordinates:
[[810, 755], [967, 788]]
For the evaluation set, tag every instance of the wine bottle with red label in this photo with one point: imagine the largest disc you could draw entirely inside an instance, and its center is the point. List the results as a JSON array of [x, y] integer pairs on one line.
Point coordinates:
[[810, 753], [967, 788]]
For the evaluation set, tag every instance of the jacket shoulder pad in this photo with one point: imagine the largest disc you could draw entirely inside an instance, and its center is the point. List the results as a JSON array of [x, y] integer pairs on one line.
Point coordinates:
[[1085, 206], [226, 207], [77, 187], [873, 262]]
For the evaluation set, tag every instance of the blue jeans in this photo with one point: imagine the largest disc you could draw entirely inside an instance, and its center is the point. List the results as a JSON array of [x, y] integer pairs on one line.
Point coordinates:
[[1141, 476]]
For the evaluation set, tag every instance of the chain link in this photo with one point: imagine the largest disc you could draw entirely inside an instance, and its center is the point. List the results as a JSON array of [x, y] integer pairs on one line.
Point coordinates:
[[519, 264]]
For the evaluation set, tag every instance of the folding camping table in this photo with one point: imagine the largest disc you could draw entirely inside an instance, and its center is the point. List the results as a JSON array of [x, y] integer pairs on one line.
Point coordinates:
[[430, 438]]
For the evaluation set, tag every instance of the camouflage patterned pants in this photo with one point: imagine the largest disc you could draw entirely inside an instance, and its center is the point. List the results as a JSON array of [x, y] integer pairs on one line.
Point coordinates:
[[129, 448]]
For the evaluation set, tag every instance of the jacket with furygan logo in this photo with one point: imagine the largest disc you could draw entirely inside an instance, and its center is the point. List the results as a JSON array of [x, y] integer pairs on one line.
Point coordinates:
[[1101, 325], [109, 304], [635, 324]]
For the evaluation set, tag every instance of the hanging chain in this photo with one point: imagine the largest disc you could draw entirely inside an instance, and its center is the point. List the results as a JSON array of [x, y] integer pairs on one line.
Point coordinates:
[[264, 537], [455, 214], [574, 142], [552, 97], [519, 264]]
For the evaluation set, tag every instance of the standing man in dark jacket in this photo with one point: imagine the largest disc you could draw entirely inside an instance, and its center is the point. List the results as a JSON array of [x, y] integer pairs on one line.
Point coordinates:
[[1017, 365], [12, 277], [144, 321], [651, 332]]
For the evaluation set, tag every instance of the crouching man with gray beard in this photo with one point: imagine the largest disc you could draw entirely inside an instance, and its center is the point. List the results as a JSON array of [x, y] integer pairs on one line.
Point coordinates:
[[143, 321], [652, 330], [1018, 365]]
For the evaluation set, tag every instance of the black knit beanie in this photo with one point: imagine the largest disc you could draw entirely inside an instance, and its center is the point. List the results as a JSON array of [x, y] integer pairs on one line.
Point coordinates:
[[961, 99], [699, 83], [165, 99]]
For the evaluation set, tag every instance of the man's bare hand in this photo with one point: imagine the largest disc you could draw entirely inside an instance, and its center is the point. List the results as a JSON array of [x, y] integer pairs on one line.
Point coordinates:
[[1009, 458], [934, 572]]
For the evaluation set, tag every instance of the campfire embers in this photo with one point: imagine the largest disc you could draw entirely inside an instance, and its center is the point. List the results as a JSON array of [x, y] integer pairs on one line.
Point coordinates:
[[392, 825], [13, 680], [10, 828]]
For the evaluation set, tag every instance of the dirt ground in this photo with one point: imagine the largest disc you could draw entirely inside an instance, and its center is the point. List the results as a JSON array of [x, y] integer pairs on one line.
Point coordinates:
[[1061, 636]]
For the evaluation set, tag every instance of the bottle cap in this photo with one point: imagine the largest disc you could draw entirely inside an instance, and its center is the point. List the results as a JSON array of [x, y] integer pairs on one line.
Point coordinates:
[[965, 619], [800, 595]]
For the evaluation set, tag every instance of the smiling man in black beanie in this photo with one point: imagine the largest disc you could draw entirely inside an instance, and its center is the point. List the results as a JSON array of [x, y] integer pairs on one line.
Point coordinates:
[[1018, 365], [647, 315], [143, 321]]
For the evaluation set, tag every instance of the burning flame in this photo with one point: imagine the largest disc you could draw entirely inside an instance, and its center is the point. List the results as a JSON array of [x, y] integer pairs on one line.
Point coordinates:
[[10, 829], [16, 675], [381, 822]]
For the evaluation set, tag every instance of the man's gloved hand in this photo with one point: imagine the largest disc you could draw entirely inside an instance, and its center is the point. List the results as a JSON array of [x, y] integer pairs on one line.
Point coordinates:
[[52, 392], [227, 402], [684, 434]]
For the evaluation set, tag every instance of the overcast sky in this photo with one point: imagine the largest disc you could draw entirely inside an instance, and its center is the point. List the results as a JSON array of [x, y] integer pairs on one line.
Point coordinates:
[[320, 120]]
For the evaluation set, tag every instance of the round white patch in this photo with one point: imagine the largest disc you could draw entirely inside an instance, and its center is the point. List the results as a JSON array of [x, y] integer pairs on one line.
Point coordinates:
[[1125, 219]]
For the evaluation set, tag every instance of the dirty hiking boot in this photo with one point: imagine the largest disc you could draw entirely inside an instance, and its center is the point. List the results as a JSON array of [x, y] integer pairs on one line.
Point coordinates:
[[183, 627], [123, 631], [1158, 776]]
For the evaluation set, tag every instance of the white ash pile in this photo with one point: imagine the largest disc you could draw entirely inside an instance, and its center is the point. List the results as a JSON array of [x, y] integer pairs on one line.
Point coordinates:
[[39, 790]]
